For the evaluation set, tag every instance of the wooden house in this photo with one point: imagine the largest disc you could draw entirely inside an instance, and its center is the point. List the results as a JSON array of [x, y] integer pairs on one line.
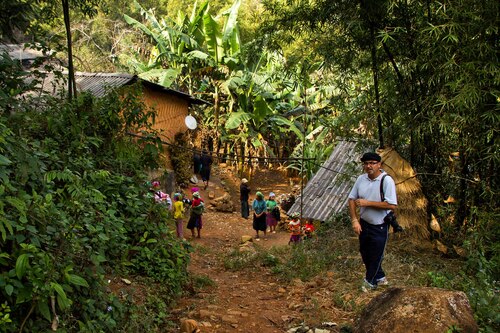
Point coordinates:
[[172, 106]]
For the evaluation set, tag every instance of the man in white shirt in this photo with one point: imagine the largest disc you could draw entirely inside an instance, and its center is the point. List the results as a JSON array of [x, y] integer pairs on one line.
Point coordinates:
[[371, 228]]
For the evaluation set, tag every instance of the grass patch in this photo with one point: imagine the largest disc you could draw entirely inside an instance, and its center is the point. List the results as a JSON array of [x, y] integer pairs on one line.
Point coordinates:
[[200, 249], [237, 260], [305, 260], [252, 258], [148, 308], [202, 282], [343, 302]]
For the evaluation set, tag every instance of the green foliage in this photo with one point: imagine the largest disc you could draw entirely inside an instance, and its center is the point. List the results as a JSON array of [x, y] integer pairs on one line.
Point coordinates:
[[5, 321], [478, 277], [181, 157], [437, 75], [73, 209], [159, 256], [151, 313], [14, 15], [247, 84], [454, 329], [202, 281], [306, 260], [344, 303], [438, 279], [237, 260], [318, 147]]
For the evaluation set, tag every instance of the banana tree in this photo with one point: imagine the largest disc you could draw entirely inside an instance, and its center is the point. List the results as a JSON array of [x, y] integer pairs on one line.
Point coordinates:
[[198, 52], [174, 44], [253, 112]]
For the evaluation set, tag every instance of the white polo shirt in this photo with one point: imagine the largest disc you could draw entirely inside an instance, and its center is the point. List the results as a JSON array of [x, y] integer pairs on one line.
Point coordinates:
[[366, 188]]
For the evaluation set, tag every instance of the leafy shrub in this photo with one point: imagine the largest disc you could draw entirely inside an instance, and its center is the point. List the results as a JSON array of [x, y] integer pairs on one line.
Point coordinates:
[[5, 321], [163, 259], [73, 209], [318, 148], [151, 314], [482, 269]]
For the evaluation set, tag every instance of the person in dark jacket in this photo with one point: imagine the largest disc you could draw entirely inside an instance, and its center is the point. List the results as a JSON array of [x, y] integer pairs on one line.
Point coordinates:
[[196, 163], [206, 163], [244, 195]]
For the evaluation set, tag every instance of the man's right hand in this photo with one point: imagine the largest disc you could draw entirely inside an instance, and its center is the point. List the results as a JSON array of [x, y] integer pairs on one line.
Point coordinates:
[[356, 226]]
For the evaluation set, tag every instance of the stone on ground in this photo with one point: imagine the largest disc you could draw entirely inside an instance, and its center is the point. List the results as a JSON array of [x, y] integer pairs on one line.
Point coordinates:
[[417, 310]]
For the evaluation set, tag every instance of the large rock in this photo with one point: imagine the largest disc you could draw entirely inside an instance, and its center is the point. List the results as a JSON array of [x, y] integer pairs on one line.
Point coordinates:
[[417, 310], [189, 326], [246, 238], [223, 203]]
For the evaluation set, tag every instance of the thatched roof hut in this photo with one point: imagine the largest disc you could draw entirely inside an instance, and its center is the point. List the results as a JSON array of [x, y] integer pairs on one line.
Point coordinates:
[[412, 204]]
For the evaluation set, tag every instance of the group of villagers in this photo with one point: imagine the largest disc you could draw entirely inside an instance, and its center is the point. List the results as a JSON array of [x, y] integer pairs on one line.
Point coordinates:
[[180, 205], [267, 215]]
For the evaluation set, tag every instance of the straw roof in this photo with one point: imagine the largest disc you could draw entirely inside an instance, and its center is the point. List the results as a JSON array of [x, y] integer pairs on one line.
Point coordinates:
[[412, 204]]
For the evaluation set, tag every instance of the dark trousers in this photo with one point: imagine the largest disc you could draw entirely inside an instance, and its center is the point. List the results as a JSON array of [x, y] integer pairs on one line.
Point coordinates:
[[245, 212], [372, 241]]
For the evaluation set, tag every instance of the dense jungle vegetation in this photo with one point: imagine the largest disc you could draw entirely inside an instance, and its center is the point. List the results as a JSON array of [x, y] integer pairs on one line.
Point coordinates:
[[419, 76]]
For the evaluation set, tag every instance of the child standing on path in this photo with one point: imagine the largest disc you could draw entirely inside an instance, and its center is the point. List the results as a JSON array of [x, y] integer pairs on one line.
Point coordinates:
[[259, 214], [271, 219], [294, 227], [178, 214], [197, 209], [309, 229]]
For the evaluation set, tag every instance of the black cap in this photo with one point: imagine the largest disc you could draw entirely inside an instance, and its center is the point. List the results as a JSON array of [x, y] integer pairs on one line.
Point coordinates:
[[371, 157]]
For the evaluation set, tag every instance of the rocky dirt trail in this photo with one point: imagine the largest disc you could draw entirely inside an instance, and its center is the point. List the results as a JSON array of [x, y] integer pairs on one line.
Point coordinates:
[[250, 300]]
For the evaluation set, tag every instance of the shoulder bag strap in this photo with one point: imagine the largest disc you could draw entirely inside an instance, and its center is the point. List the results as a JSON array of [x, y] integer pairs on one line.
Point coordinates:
[[382, 197]]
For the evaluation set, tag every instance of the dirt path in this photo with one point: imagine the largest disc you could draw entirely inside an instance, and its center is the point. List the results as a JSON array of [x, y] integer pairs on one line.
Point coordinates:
[[251, 300]]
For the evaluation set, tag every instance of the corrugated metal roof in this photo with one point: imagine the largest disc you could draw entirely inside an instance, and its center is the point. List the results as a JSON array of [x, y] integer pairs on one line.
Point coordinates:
[[326, 193], [183, 95], [99, 83], [95, 83]]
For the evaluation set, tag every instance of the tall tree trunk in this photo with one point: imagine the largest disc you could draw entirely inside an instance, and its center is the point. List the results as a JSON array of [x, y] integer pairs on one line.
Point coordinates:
[[241, 158], [462, 209], [375, 84], [71, 71], [216, 111]]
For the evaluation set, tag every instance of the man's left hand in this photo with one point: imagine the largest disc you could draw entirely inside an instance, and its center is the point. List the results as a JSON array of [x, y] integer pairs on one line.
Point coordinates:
[[361, 202]]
